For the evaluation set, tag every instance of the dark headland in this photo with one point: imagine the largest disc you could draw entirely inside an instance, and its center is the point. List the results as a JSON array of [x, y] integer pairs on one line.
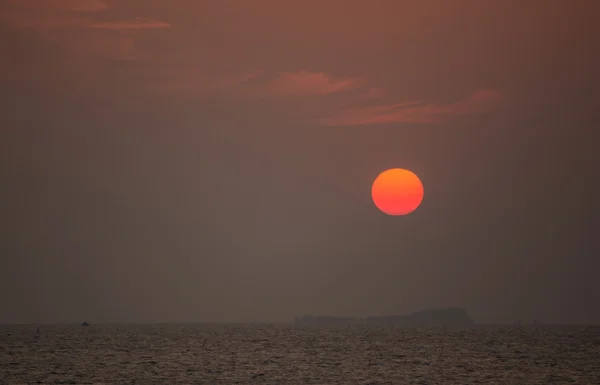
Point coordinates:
[[433, 317]]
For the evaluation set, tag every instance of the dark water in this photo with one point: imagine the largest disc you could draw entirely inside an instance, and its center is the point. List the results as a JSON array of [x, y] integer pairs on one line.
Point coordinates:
[[283, 354]]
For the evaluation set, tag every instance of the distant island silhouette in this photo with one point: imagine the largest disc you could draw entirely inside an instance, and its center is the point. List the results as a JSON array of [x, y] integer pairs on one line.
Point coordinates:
[[432, 317], [327, 320]]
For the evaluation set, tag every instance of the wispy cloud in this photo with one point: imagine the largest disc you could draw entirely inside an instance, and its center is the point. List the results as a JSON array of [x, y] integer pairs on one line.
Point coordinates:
[[303, 83], [130, 24], [256, 84], [50, 14], [40, 21], [413, 111], [64, 5], [373, 93], [234, 80], [195, 81], [69, 24]]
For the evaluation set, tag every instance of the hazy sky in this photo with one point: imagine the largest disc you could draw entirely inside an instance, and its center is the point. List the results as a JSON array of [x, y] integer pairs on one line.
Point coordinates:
[[189, 160]]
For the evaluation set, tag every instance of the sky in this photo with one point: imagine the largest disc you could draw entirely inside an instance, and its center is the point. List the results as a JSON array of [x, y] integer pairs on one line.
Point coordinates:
[[202, 161]]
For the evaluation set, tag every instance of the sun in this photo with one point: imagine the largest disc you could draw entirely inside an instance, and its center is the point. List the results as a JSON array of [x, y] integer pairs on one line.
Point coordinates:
[[397, 191]]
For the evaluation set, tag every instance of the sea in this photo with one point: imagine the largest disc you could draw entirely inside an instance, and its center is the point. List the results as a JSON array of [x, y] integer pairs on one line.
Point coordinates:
[[288, 354]]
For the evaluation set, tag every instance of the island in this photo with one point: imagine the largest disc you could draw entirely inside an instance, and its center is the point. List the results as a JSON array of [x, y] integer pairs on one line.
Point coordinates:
[[433, 317], [327, 320]]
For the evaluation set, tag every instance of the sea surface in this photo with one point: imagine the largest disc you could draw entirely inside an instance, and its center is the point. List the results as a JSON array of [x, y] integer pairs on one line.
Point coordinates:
[[285, 354]]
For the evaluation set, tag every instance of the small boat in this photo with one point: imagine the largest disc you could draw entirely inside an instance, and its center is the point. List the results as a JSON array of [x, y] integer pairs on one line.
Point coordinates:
[[84, 323]]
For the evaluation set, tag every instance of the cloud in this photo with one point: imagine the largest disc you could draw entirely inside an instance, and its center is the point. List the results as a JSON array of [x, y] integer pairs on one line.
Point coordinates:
[[63, 5], [414, 111], [53, 14], [310, 86], [195, 81], [303, 83], [38, 20], [373, 93], [68, 26], [253, 84], [129, 24]]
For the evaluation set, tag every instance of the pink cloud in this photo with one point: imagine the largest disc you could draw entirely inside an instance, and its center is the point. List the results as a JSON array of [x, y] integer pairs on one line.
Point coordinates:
[[129, 24], [308, 85], [62, 5], [66, 25], [414, 111], [254, 84], [303, 83], [25, 19], [373, 93], [234, 80], [196, 81], [50, 17]]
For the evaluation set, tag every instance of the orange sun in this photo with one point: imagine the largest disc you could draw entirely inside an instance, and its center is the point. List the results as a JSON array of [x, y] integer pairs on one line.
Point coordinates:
[[397, 192]]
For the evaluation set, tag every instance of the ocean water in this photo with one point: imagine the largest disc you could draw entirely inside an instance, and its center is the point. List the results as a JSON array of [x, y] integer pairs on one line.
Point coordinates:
[[285, 354]]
